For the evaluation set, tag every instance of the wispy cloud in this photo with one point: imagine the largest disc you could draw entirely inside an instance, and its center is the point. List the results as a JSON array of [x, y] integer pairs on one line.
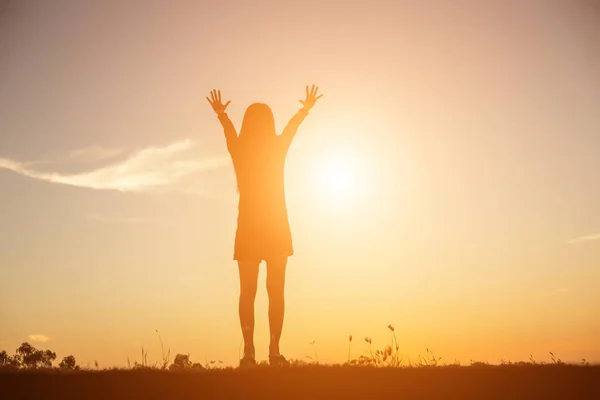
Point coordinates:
[[149, 169], [94, 153], [84, 156], [587, 238], [39, 338], [127, 220]]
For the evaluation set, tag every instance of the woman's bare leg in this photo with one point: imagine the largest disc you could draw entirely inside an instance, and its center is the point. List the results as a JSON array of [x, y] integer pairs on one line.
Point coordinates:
[[248, 283], [275, 289]]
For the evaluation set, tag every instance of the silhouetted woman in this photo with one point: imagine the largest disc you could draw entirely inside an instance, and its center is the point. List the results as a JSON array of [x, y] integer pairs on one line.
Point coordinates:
[[263, 231]]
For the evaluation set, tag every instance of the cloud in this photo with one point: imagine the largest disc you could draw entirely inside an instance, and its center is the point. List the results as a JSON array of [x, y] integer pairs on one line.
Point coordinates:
[[94, 153], [126, 220], [587, 238], [39, 338], [84, 156], [149, 169]]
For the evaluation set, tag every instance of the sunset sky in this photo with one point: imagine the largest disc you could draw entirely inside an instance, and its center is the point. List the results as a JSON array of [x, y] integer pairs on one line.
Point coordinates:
[[448, 182]]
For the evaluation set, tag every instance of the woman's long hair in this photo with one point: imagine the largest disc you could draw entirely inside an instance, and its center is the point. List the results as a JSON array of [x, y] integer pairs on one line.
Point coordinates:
[[258, 125], [256, 136]]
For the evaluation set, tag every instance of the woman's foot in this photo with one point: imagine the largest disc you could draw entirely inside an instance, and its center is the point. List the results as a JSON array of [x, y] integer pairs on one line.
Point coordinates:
[[247, 362], [278, 361]]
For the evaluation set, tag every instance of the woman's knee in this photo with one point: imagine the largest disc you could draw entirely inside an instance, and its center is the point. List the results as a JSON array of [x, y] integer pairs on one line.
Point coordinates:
[[248, 279], [276, 276], [248, 292], [275, 287]]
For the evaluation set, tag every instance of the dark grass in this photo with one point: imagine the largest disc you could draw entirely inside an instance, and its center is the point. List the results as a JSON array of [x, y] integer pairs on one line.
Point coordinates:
[[311, 382]]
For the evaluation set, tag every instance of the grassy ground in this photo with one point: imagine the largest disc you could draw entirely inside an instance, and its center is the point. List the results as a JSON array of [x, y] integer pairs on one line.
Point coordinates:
[[310, 382]]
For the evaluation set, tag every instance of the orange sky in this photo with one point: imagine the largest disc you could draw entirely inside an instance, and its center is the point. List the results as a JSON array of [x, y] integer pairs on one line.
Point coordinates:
[[447, 182]]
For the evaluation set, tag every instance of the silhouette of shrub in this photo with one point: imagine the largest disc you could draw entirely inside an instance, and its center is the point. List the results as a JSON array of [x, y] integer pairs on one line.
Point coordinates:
[[68, 363], [181, 362], [4, 357], [30, 357], [7, 361]]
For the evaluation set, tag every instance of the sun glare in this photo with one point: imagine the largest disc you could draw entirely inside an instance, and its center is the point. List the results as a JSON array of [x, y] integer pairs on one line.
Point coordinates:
[[340, 178], [337, 180]]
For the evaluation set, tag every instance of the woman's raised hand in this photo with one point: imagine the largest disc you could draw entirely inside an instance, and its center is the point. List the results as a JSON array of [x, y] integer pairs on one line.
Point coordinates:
[[215, 102], [311, 97]]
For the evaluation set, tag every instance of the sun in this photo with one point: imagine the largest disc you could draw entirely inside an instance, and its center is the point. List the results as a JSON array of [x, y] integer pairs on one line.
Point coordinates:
[[337, 179]]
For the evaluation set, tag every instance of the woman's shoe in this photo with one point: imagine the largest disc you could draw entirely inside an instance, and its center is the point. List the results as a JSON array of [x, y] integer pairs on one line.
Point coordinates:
[[247, 362], [278, 361]]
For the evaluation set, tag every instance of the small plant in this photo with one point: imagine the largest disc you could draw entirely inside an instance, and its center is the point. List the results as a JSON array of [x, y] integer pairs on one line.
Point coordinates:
[[456, 363], [315, 357], [430, 360], [554, 360], [349, 346], [299, 363], [479, 363], [212, 364], [386, 357], [532, 360], [143, 364], [397, 360], [165, 357], [370, 342]]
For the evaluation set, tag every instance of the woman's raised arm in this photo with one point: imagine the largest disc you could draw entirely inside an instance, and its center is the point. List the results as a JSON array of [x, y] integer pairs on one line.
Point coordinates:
[[292, 127], [228, 128]]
